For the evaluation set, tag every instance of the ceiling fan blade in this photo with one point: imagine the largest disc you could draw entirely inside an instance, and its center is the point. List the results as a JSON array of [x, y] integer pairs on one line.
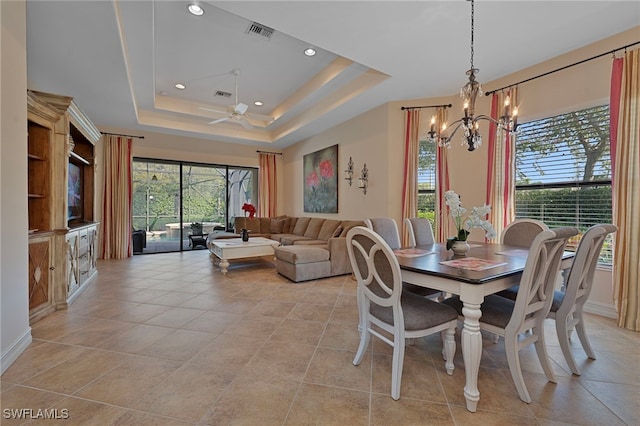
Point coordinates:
[[218, 111], [219, 120], [260, 117], [245, 123]]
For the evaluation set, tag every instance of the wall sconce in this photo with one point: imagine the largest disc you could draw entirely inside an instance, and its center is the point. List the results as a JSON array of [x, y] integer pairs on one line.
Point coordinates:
[[363, 181], [348, 174]]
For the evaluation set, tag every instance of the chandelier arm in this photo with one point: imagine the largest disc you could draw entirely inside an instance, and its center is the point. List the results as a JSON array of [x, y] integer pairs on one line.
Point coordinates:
[[455, 130], [487, 118]]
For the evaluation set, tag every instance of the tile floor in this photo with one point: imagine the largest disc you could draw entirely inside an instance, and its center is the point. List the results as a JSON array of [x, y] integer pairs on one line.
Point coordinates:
[[167, 340]]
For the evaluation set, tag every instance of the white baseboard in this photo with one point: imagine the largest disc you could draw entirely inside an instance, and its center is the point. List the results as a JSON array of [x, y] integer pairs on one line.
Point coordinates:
[[10, 355], [602, 309]]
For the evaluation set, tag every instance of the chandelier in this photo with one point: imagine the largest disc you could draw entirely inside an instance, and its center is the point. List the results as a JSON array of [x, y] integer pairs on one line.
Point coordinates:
[[469, 122]]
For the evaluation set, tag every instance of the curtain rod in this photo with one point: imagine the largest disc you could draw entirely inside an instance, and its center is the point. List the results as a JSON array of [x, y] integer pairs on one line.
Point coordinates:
[[118, 134], [426, 106], [269, 152], [562, 68]]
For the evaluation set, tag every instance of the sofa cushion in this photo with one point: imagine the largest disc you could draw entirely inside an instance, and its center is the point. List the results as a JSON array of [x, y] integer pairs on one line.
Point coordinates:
[[309, 242], [250, 224], [302, 254], [328, 228], [276, 226], [348, 224], [290, 239], [265, 225], [301, 225], [313, 229]]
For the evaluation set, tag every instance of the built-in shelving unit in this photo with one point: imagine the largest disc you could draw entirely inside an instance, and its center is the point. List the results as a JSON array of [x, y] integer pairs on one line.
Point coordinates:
[[62, 249]]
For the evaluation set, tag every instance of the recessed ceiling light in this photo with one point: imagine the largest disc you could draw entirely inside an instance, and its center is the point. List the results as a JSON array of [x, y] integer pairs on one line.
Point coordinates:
[[195, 9], [163, 93], [180, 86], [310, 51], [258, 103]]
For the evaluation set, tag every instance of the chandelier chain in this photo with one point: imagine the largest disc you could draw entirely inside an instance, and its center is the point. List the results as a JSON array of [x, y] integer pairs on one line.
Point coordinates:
[[472, 31]]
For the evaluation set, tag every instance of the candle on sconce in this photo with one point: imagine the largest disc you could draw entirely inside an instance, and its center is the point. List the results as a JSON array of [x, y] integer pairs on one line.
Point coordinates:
[[466, 109], [507, 103], [433, 124]]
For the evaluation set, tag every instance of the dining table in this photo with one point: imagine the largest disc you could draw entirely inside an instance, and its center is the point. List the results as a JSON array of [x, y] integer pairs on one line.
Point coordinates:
[[487, 268]]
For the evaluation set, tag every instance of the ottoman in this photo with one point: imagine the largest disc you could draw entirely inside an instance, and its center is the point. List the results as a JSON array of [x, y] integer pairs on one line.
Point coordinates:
[[303, 263]]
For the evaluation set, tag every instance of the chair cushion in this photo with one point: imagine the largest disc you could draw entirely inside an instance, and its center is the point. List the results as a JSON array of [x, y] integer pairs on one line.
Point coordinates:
[[419, 290], [558, 298], [496, 310], [419, 313]]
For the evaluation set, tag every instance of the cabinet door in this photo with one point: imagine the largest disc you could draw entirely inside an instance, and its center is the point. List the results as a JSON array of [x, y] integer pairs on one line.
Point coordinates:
[[39, 274], [92, 236], [73, 268]]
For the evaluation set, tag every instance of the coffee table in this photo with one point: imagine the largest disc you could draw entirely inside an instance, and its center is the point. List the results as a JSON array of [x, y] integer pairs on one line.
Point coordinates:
[[235, 248]]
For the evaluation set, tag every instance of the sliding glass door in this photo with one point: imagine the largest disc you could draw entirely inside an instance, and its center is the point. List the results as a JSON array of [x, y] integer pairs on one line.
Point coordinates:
[[173, 200]]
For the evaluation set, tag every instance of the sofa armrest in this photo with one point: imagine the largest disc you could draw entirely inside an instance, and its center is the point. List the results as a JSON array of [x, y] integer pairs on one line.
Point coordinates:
[[340, 263]]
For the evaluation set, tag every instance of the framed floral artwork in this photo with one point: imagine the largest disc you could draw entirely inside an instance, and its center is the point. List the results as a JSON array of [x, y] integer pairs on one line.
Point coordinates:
[[320, 172]]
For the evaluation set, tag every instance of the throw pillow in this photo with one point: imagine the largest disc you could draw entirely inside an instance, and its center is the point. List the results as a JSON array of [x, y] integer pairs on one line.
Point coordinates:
[[276, 226], [337, 232]]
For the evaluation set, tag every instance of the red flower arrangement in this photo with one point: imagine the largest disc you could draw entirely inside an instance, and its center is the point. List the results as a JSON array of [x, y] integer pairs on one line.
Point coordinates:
[[249, 208]]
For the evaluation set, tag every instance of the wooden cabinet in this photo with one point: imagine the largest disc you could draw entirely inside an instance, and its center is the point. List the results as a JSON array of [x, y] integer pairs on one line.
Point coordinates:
[[61, 139], [81, 259], [40, 277]]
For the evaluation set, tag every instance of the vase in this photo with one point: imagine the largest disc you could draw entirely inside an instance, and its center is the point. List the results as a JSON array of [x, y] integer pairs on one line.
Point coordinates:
[[460, 248], [245, 234]]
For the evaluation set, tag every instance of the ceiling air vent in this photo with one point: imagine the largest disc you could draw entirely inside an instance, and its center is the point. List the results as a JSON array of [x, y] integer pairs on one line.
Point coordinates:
[[223, 94], [260, 30]]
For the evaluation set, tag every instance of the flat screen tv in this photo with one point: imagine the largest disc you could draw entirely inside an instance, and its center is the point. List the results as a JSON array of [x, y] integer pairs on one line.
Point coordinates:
[[74, 192]]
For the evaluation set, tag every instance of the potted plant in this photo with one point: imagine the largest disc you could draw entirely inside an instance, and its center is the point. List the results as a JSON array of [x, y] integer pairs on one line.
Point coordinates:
[[465, 221]]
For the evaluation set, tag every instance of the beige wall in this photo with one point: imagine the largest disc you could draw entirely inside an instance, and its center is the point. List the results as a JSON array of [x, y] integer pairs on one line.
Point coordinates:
[[15, 334], [365, 139], [377, 138]]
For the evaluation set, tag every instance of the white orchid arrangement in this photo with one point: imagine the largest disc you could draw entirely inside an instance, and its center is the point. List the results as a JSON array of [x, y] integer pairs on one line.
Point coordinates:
[[466, 221]]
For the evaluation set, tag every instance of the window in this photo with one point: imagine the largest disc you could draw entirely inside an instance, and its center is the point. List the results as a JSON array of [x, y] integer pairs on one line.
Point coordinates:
[[427, 181], [563, 171], [168, 196]]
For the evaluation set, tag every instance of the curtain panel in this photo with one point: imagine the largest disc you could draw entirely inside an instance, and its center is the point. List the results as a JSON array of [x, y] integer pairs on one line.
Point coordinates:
[[443, 224], [410, 183], [117, 198], [625, 153], [268, 185], [501, 187]]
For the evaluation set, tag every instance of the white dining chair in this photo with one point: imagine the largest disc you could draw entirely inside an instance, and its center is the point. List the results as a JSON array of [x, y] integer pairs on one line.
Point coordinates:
[[387, 228], [568, 305], [522, 232], [521, 321], [420, 231], [383, 303]]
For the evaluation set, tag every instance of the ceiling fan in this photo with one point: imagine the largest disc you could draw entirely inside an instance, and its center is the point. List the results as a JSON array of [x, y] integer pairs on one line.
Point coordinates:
[[238, 112]]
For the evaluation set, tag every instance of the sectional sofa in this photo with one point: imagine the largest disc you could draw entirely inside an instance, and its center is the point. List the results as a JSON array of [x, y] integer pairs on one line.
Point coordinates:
[[310, 247]]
